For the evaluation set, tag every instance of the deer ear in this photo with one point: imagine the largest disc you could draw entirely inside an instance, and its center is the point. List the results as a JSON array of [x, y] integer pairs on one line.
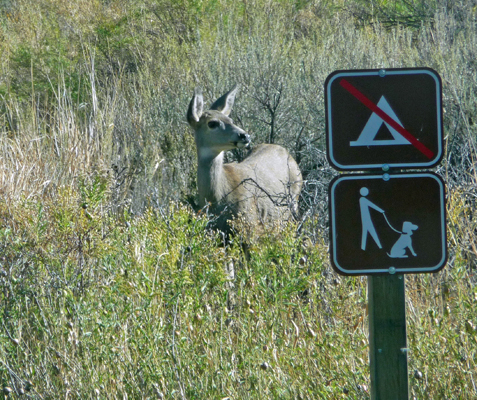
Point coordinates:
[[225, 103], [196, 106]]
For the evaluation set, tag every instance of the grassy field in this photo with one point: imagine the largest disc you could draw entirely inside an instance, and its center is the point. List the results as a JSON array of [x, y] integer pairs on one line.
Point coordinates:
[[111, 284]]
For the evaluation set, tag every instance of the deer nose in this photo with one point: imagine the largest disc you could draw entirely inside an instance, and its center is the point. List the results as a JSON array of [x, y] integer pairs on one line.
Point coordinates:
[[244, 136]]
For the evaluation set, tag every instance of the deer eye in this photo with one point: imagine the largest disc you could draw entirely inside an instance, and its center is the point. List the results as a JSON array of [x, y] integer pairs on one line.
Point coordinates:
[[213, 124]]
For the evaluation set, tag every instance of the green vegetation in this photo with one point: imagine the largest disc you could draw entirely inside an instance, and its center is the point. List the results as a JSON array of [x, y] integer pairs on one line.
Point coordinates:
[[111, 285]]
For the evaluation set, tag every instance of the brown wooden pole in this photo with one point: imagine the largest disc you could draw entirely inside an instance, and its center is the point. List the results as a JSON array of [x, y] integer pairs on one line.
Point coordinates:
[[387, 337]]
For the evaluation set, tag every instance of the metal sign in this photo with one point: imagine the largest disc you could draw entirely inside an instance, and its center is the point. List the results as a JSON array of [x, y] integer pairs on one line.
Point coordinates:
[[384, 118], [387, 223]]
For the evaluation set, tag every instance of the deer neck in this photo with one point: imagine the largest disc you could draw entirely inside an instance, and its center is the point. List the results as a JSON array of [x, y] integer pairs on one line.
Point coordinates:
[[211, 178]]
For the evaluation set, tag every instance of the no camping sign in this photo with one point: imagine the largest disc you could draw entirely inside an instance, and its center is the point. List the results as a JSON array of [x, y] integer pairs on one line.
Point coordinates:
[[384, 117]]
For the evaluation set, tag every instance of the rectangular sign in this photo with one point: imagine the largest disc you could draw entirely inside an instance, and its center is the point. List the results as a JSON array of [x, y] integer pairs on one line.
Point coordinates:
[[387, 223], [377, 118]]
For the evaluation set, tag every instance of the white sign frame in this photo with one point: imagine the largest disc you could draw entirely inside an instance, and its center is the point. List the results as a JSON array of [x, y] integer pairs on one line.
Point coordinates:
[[381, 165]]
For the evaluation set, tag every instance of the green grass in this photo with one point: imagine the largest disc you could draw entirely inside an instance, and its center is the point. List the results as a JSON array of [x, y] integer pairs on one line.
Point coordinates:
[[111, 285], [101, 307]]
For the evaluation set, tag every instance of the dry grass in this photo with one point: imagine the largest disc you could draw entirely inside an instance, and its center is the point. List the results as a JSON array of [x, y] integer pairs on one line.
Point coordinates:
[[110, 288]]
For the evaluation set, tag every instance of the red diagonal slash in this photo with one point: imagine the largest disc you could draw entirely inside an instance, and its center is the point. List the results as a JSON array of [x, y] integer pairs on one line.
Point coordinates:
[[386, 118]]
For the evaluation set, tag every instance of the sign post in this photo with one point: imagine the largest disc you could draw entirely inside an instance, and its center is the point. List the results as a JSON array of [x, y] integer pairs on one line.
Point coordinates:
[[386, 223], [387, 337]]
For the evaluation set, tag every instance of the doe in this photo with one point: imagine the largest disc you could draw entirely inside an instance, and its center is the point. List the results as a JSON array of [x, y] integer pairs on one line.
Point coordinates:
[[263, 188]]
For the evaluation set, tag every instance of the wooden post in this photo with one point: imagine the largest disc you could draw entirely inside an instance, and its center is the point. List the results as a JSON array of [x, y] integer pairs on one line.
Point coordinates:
[[387, 337]]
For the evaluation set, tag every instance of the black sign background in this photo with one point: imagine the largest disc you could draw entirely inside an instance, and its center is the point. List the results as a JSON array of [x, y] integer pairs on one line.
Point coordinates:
[[413, 94], [417, 198]]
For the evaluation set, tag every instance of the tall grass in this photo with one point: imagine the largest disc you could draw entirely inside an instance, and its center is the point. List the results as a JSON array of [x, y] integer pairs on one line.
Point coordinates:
[[130, 98], [112, 286]]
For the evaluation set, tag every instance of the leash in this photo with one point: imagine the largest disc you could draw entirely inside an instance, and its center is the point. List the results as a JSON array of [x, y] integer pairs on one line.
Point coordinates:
[[395, 230]]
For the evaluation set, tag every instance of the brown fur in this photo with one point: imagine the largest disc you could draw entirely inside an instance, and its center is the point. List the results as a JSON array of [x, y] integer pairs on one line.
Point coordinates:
[[263, 188]]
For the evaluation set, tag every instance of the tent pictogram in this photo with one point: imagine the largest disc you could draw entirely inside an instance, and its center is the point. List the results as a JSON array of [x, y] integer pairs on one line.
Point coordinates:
[[371, 129]]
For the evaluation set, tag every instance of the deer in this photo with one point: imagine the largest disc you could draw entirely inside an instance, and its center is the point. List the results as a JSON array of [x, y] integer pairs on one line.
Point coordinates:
[[263, 188]]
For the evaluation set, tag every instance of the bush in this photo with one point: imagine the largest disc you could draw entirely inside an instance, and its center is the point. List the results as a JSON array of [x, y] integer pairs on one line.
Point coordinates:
[[111, 285]]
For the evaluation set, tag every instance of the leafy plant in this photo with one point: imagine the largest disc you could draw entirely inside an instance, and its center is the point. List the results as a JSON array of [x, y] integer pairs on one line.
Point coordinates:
[[112, 286]]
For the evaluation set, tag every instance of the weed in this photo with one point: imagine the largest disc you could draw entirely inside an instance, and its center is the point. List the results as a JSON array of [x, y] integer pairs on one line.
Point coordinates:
[[111, 286]]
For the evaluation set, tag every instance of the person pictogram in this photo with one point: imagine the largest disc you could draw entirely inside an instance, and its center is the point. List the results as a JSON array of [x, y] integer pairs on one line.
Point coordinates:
[[367, 223]]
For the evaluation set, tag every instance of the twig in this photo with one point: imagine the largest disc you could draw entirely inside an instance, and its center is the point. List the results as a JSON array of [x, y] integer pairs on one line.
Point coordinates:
[[174, 358]]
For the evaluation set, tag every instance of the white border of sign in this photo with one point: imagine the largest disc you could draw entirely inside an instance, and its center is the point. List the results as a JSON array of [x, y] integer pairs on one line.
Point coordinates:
[[387, 72], [391, 269]]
